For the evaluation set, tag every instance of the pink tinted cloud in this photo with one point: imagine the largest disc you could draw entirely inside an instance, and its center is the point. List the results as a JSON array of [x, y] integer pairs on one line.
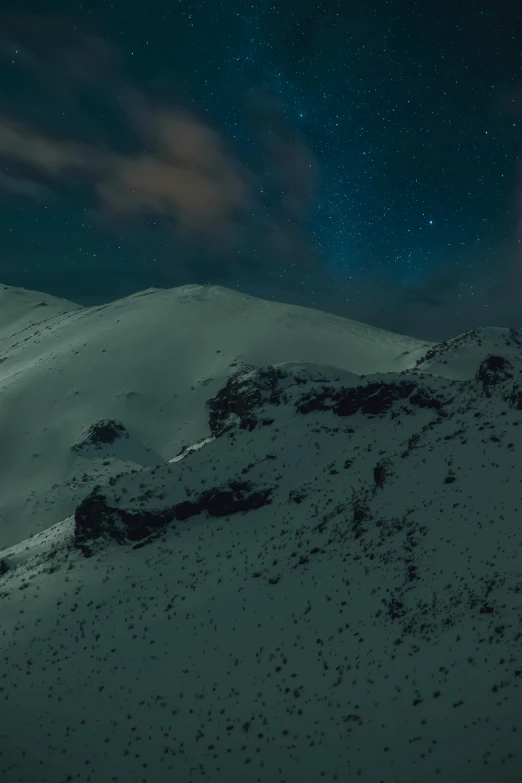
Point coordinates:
[[152, 184], [187, 174], [21, 143], [184, 172]]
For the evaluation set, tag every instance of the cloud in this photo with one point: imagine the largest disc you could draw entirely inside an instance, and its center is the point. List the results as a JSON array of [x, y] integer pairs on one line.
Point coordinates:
[[21, 143], [231, 219], [57, 48], [20, 186], [187, 174]]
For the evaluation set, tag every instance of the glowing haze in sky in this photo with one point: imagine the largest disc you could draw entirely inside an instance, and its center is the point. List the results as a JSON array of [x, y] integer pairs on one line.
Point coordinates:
[[358, 159]]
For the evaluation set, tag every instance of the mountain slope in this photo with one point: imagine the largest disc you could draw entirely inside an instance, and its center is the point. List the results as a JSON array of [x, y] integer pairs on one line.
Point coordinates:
[[149, 362], [21, 309], [326, 587]]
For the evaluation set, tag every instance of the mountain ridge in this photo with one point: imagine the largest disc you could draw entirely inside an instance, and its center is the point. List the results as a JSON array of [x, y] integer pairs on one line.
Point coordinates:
[[149, 360], [323, 585]]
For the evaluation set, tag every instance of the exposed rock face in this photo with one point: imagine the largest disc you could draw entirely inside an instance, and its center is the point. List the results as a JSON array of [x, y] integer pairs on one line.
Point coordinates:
[[373, 399], [103, 432], [95, 518], [494, 370], [243, 403], [220, 503], [242, 394], [376, 573]]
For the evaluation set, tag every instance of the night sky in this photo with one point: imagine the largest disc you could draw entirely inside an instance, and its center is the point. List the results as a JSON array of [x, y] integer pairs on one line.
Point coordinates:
[[358, 157]]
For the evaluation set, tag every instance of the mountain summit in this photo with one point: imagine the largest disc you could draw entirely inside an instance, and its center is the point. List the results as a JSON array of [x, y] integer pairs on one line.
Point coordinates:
[[278, 546]]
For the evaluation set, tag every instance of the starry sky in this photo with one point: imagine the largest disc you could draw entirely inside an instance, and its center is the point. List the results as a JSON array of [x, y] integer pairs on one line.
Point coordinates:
[[362, 158]]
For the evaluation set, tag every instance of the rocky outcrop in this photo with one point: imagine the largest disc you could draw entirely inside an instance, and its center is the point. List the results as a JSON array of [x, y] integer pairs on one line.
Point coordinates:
[[242, 394], [494, 370], [374, 399], [103, 432], [96, 518], [219, 503]]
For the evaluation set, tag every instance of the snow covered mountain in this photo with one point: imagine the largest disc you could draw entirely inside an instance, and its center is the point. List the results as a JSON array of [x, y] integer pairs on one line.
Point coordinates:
[[280, 546], [150, 360]]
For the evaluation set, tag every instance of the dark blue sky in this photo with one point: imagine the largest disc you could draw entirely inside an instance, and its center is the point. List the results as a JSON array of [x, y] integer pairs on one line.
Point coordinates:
[[362, 160]]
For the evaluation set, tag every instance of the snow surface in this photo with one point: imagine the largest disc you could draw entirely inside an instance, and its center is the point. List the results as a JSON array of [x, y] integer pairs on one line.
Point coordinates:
[[150, 360], [237, 560]]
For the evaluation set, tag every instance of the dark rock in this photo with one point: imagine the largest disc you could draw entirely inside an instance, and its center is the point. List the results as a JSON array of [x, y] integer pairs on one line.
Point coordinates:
[[422, 400], [373, 399], [102, 432], [380, 472], [242, 395], [493, 370], [219, 503], [95, 518]]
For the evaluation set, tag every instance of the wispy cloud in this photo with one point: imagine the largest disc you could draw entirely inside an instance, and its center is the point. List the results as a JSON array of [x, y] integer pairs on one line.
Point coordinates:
[[181, 170], [187, 173], [57, 47], [20, 186], [19, 142]]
